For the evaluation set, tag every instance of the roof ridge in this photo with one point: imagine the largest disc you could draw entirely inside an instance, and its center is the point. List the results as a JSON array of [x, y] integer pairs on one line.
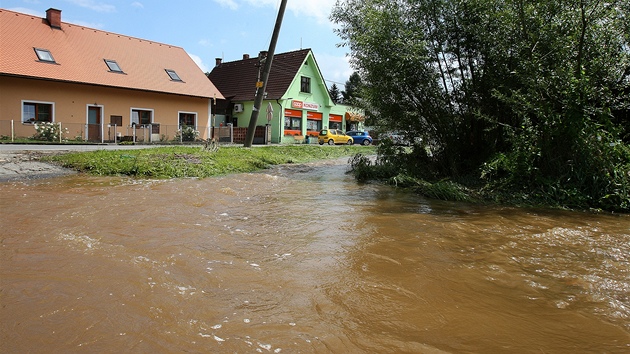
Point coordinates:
[[275, 55], [94, 29]]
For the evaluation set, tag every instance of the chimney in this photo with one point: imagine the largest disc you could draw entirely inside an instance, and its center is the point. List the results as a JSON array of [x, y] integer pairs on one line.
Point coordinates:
[[218, 61], [245, 56], [53, 16]]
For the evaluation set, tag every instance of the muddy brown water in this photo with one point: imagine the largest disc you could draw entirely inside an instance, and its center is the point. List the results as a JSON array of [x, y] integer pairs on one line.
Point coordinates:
[[301, 259]]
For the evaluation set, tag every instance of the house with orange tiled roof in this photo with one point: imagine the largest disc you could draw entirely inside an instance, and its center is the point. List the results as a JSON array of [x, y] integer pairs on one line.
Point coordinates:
[[297, 103], [100, 86]]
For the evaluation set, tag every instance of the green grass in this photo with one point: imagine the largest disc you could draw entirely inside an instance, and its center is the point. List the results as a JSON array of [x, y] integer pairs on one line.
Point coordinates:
[[180, 161]]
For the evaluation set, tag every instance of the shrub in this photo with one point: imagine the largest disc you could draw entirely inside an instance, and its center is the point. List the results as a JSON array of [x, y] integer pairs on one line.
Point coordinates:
[[186, 133], [48, 131]]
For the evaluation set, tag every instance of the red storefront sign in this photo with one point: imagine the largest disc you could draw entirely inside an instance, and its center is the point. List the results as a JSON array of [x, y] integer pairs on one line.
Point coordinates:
[[335, 118], [304, 105], [314, 115], [292, 113]]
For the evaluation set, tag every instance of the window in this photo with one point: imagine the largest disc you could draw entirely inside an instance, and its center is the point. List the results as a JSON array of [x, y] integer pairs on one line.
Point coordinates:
[[173, 75], [141, 117], [305, 84], [292, 123], [187, 119], [313, 125], [33, 112], [44, 55], [113, 66]]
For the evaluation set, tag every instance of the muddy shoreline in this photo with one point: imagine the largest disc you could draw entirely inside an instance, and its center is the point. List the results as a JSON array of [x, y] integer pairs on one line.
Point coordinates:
[[26, 165]]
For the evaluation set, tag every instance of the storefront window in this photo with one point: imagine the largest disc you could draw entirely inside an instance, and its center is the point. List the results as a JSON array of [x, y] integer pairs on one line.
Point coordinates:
[[313, 125], [292, 123]]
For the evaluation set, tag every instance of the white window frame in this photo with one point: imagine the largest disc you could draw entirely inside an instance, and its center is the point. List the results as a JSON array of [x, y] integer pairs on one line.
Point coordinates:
[[179, 126], [140, 109], [38, 102]]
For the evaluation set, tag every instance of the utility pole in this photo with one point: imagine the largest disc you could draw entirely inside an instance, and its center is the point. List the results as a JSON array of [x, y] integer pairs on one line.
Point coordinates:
[[261, 86]]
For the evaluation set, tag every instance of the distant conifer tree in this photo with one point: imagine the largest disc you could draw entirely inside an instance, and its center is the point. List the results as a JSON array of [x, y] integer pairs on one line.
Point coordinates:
[[335, 93]]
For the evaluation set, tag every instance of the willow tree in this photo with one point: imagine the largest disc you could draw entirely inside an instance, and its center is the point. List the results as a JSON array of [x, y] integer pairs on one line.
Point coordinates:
[[523, 92]]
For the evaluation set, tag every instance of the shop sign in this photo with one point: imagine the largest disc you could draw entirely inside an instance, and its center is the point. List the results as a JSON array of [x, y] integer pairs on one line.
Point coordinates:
[[304, 105]]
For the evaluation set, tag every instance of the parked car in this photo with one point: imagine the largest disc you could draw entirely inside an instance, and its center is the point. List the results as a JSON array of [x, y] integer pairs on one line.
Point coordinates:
[[334, 136], [360, 137]]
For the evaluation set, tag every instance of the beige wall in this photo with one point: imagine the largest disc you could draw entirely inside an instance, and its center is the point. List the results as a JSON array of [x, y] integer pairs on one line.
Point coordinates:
[[71, 103]]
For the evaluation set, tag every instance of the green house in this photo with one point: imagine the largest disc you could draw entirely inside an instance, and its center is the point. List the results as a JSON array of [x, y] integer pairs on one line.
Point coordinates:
[[297, 104]]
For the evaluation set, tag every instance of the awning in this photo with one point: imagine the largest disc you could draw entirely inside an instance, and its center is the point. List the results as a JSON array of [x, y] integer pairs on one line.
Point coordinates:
[[354, 117]]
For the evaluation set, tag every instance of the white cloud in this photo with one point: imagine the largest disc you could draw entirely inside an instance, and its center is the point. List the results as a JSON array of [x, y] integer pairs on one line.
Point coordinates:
[[93, 5], [263, 3], [137, 5], [199, 62], [334, 68], [318, 9], [231, 4]]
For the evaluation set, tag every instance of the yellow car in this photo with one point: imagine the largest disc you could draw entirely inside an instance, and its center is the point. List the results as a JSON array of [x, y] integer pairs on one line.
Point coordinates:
[[334, 136]]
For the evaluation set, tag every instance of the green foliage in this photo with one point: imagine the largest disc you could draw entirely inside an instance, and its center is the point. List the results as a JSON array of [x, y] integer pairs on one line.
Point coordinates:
[[533, 96], [186, 133], [352, 93], [335, 94], [445, 190], [180, 161]]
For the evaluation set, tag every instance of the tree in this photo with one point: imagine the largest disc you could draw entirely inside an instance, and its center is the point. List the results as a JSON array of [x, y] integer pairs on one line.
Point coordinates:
[[522, 91], [353, 88], [335, 94]]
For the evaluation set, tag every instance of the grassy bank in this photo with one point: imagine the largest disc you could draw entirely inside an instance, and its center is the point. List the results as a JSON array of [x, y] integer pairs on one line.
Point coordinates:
[[175, 162], [399, 171]]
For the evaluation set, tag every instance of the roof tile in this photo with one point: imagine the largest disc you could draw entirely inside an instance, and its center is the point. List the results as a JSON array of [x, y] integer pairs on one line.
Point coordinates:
[[79, 53], [237, 79]]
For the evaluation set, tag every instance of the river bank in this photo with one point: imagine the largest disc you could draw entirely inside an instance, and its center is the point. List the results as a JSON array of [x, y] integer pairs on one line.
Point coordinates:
[[159, 162], [26, 165]]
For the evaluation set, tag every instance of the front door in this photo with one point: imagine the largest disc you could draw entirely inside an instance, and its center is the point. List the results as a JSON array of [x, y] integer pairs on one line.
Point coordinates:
[[94, 123]]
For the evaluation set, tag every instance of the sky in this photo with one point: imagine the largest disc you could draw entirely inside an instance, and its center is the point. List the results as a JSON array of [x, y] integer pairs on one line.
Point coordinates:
[[209, 29]]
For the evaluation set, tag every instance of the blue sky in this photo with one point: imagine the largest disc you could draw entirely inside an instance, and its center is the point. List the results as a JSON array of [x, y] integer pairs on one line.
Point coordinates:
[[209, 29]]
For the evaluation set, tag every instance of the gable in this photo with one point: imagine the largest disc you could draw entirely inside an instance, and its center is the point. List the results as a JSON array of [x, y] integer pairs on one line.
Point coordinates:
[[319, 90], [80, 56], [237, 79]]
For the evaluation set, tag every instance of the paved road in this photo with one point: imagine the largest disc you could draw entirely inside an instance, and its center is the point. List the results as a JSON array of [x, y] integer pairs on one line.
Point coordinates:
[[17, 148]]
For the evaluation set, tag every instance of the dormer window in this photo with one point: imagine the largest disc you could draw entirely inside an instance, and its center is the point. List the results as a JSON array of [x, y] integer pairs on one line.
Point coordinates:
[[173, 75], [113, 66], [44, 55]]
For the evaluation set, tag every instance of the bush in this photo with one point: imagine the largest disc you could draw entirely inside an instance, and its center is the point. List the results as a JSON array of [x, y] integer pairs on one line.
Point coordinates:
[[48, 131], [186, 133]]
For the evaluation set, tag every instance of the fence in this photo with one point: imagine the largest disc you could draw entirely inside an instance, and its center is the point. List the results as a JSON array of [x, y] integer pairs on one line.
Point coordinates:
[[138, 133], [12, 130]]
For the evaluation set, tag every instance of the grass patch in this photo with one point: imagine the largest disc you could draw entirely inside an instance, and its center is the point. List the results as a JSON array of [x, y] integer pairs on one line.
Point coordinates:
[[181, 161]]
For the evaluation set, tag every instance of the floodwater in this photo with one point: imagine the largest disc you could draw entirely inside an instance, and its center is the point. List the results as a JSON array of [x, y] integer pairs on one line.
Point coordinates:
[[301, 259]]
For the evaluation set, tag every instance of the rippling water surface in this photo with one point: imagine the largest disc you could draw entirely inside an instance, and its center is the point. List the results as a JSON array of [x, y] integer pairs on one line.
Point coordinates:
[[301, 259]]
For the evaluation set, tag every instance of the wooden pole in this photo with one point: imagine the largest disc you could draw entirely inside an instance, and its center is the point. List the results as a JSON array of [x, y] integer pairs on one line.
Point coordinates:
[[261, 88]]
